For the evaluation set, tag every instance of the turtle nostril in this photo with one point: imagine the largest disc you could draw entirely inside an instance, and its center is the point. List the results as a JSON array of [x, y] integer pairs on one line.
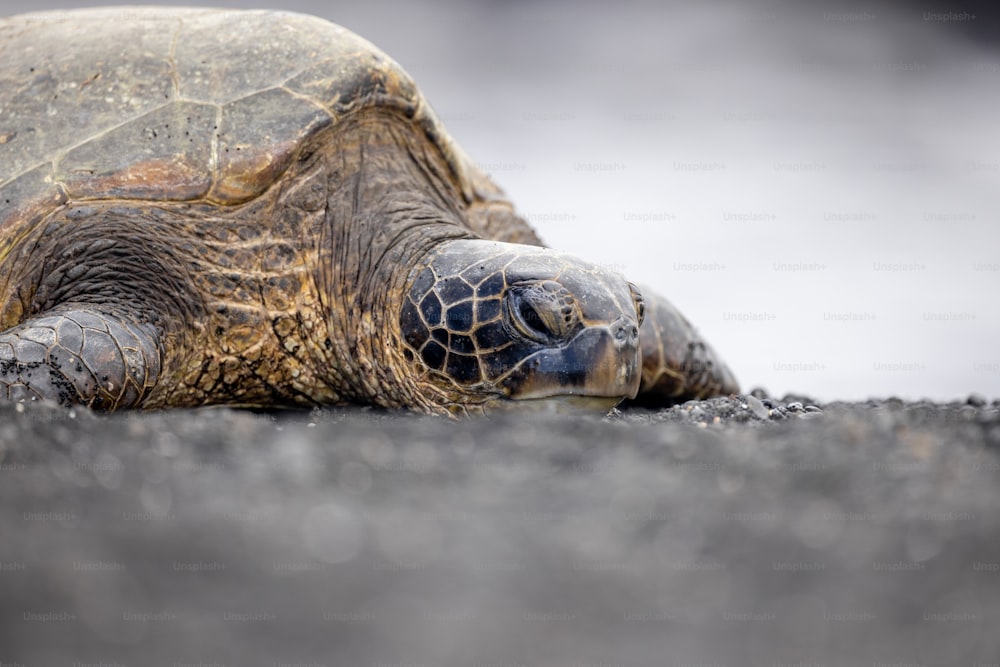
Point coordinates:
[[626, 331]]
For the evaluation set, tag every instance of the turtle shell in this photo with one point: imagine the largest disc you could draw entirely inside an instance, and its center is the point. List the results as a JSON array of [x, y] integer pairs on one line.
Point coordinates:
[[181, 105]]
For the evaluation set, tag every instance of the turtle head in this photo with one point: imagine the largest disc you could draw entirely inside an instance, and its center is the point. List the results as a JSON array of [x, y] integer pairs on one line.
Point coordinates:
[[499, 325]]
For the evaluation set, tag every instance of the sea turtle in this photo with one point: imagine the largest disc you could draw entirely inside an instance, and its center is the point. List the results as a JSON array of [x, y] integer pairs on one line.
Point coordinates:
[[259, 208]]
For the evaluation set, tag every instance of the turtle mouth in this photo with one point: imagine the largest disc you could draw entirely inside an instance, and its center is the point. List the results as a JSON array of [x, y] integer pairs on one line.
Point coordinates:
[[599, 366]]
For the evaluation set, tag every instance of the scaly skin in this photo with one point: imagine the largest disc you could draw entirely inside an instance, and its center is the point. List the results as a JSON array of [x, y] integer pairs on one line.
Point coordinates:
[[76, 355], [290, 299], [677, 363], [280, 301], [183, 223]]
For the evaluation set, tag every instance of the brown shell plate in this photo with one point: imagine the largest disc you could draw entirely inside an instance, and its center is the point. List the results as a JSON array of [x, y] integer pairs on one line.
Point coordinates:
[[178, 104]]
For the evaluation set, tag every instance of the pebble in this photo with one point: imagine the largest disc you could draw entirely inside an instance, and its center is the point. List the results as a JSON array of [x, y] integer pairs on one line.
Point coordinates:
[[794, 406], [758, 407], [976, 400]]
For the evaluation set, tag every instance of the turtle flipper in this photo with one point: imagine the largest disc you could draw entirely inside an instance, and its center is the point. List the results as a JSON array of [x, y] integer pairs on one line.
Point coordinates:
[[79, 356], [677, 364]]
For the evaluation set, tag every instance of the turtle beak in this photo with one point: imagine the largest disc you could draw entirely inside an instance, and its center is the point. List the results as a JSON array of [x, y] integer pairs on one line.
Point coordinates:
[[601, 361]]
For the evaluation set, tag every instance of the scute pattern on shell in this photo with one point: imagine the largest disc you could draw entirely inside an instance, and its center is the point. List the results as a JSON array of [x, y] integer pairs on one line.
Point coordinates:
[[190, 104]]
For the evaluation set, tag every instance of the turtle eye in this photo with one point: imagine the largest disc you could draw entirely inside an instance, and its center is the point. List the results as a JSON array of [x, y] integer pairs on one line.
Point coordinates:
[[526, 319], [640, 303], [530, 317], [543, 312]]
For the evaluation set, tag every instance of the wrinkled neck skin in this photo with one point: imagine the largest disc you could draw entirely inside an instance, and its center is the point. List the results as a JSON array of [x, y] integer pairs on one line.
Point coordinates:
[[391, 202]]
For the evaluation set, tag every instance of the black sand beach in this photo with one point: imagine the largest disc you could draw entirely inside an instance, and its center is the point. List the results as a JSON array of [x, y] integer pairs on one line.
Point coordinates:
[[777, 534]]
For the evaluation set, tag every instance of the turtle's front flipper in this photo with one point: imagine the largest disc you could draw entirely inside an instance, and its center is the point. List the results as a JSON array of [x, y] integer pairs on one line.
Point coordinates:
[[677, 363], [79, 355]]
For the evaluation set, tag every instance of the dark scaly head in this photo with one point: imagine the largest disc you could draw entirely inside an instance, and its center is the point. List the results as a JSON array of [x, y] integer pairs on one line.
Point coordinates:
[[488, 325]]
